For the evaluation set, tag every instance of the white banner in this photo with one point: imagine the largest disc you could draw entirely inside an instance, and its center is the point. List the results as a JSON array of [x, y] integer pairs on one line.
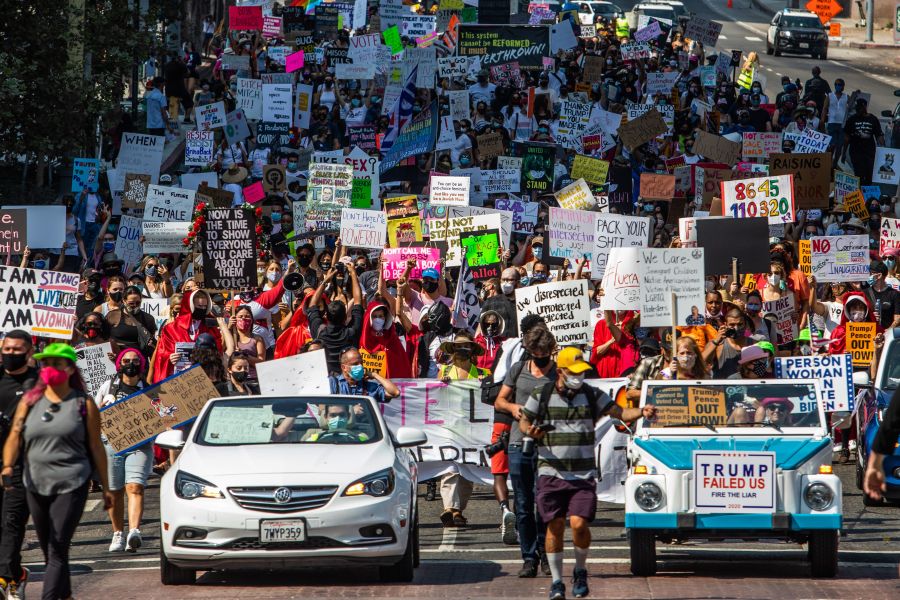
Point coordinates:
[[40, 302], [168, 204], [616, 231], [276, 106], [622, 280], [300, 374], [249, 97], [128, 241], [838, 258], [448, 230], [363, 228], [165, 236]]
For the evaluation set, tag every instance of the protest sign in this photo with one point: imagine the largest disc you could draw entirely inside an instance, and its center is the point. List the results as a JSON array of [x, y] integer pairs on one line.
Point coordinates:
[[641, 130], [133, 421], [490, 145], [363, 137], [135, 190], [13, 231], [95, 366], [667, 271], [703, 30], [272, 135], [236, 62], [886, 169], [501, 181], [363, 228], [141, 153], [616, 231], [236, 127], [593, 68], [214, 197], [592, 170], [804, 258], [661, 83], [564, 305], [537, 167], [783, 314], [211, 116], [274, 179], [366, 179], [271, 27], [329, 190], [708, 183], [844, 184], [158, 308], [128, 243], [524, 213], [770, 197], [655, 186], [249, 97], [890, 235], [198, 149], [276, 103], [725, 240], [394, 263], [417, 137], [403, 223], [855, 202], [244, 18], [471, 211], [164, 236], [40, 302], [621, 280], [755, 473], [571, 234], [861, 343], [293, 62], [45, 225], [636, 50], [168, 204], [447, 189], [229, 249], [491, 44], [812, 142], [482, 252], [717, 148], [833, 371], [812, 177], [85, 174], [648, 33], [300, 374], [573, 121], [840, 258], [575, 196], [448, 230]]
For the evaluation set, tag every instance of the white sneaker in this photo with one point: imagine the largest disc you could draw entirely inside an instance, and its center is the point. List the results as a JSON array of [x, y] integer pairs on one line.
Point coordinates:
[[118, 542], [508, 528], [134, 540], [852, 445]]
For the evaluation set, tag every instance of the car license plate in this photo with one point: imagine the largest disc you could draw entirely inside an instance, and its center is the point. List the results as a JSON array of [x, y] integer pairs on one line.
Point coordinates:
[[275, 532], [804, 45]]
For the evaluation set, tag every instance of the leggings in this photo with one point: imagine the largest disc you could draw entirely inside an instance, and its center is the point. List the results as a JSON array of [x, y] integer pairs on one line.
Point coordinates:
[[55, 519]]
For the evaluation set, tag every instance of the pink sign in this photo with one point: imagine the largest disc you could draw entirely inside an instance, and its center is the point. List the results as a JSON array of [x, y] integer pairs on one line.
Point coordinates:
[[243, 18], [294, 61], [272, 26], [395, 261], [254, 193]]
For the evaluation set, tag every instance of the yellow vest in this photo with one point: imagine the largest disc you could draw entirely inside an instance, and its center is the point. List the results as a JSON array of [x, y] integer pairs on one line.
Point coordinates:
[[745, 79], [622, 29]]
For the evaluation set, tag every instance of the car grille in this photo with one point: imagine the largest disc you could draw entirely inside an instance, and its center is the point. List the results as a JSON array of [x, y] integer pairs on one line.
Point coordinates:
[[311, 543], [302, 498]]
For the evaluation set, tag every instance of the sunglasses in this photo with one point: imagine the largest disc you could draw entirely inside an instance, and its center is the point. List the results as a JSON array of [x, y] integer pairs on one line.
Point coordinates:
[[131, 361], [48, 414], [776, 408]]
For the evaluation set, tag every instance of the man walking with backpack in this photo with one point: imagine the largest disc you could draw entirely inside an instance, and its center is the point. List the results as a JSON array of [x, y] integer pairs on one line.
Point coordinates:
[[560, 418]]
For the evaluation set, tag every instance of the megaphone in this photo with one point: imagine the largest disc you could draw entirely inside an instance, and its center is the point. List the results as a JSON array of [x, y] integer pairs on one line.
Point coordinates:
[[293, 282]]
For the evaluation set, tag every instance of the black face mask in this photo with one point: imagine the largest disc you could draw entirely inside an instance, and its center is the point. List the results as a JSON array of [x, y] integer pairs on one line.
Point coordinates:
[[91, 332], [430, 286], [198, 313], [239, 376], [93, 288], [130, 370], [304, 261], [14, 362], [115, 296], [541, 361]]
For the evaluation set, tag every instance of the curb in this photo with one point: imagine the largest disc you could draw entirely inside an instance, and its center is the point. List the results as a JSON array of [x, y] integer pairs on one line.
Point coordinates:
[[870, 45]]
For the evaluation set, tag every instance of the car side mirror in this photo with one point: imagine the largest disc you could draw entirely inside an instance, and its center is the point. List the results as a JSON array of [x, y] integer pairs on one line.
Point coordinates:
[[897, 93], [861, 379], [173, 439], [887, 113], [407, 437]]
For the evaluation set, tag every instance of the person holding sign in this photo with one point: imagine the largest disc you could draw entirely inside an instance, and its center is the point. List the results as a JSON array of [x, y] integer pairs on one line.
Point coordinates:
[[856, 310], [187, 326], [355, 380], [381, 343], [129, 472], [56, 429]]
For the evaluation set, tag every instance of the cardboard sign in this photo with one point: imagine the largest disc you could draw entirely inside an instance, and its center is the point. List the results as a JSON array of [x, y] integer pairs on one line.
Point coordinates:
[[784, 314], [211, 116], [214, 197], [592, 170], [804, 258], [812, 177], [363, 228], [639, 131], [890, 235], [374, 362], [723, 240], [616, 231], [665, 271], [657, 187], [770, 197], [272, 135], [840, 258], [128, 241], [394, 263], [13, 231], [135, 191], [40, 302], [734, 482], [229, 249], [861, 343], [482, 252], [661, 83], [95, 367], [855, 202], [703, 30], [834, 372], [164, 236], [565, 307], [622, 280], [446, 189], [636, 50], [133, 421], [141, 153], [575, 196], [274, 179], [168, 204], [198, 150], [717, 148], [245, 18], [490, 145], [85, 174], [300, 374]]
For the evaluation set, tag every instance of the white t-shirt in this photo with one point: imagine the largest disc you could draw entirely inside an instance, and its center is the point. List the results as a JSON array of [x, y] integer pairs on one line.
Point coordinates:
[[259, 157], [71, 242], [90, 215]]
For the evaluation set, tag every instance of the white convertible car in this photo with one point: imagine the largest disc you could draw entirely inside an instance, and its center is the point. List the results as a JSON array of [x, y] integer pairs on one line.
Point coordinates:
[[279, 482]]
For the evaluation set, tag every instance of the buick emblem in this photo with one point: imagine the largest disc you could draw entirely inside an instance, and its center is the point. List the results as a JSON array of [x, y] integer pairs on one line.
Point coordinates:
[[282, 495]]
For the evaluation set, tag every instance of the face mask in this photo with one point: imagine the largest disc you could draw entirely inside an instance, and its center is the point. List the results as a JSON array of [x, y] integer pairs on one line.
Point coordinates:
[[430, 286], [239, 376], [573, 382], [463, 353], [871, 280], [273, 276], [304, 261], [14, 362], [292, 166], [131, 309], [91, 332], [754, 308], [198, 313], [759, 368], [507, 287], [337, 423], [539, 277], [710, 286], [890, 262], [150, 271], [774, 280], [244, 324], [525, 281], [465, 161], [325, 265], [109, 246], [686, 361], [115, 296], [538, 252], [857, 315], [378, 323], [541, 361], [492, 329], [130, 370], [53, 376], [839, 87], [355, 102], [40, 264]]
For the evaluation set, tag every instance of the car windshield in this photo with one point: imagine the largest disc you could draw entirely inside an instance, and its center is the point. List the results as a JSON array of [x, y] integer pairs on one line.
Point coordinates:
[[777, 405], [802, 23], [890, 378], [248, 421], [661, 13], [603, 9]]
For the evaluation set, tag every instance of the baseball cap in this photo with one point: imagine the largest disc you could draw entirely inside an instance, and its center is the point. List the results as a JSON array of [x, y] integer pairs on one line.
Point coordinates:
[[751, 353], [57, 350], [205, 340], [572, 359], [430, 274]]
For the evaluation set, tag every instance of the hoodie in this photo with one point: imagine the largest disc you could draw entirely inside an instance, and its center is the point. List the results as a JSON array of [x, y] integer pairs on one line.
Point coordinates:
[[490, 344], [397, 363], [839, 335], [183, 329]]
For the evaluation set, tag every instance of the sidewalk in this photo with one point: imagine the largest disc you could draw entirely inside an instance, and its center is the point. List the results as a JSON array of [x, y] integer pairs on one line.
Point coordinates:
[[851, 36]]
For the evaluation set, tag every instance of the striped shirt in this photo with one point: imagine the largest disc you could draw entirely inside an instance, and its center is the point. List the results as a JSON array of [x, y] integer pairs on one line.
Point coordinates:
[[567, 452]]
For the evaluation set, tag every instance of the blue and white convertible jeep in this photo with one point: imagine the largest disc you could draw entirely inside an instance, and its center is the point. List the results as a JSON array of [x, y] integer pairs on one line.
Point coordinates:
[[733, 460]]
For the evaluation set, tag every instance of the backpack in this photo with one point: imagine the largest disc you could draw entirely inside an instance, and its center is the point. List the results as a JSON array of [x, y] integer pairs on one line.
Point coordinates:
[[544, 401]]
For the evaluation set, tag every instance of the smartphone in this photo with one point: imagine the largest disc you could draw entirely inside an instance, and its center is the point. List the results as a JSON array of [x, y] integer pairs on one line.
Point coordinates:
[[546, 427]]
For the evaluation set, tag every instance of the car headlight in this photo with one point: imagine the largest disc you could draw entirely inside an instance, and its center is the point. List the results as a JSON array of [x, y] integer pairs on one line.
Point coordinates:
[[648, 496], [189, 486], [785, 34], [376, 484], [818, 496]]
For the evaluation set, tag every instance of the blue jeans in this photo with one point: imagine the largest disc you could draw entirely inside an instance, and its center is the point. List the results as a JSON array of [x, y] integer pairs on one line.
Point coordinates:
[[523, 472]]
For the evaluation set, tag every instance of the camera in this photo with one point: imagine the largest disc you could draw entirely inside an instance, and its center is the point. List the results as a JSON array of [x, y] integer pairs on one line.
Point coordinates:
[[498, 446], [730, 332]]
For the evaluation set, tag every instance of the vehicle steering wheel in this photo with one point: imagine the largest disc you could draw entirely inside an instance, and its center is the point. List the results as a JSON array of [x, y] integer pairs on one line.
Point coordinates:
[[339, 434]]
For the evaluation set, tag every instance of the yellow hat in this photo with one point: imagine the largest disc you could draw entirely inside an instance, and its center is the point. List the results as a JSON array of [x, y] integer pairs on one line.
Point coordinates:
[[571, 358]]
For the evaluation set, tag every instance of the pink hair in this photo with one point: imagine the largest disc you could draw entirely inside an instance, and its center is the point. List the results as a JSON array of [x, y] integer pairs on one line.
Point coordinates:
[[126, 351]]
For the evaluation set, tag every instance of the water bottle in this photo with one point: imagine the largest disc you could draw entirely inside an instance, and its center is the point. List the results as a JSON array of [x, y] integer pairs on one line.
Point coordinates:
[[878, 310]]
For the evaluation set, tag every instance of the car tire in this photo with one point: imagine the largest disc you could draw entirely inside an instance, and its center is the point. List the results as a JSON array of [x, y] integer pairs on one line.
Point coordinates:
[[769, 49], [869, 501], [169, 574], [643, 552], [776, 51], [823, 553], [416, 545], [403, 571], [824, 55]]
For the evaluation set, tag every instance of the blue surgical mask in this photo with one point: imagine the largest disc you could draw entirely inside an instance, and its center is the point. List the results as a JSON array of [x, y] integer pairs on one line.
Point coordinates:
[[871, 280], [465, 161], [839, 87], [539, 277], [890, 262], [538, 252], [109, 246], [337, 423], [525, 280], [357, 372], [355, 103], [40, 264]]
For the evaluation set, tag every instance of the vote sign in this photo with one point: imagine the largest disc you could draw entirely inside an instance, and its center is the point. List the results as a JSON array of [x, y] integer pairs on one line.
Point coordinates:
[[739, 482], [770, 197]]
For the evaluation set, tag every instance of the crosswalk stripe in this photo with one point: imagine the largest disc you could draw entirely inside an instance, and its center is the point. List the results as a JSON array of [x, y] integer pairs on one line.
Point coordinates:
[[752, 38]]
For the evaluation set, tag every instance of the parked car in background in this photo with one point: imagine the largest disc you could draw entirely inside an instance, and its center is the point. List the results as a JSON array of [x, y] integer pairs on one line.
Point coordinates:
[[798, 32]]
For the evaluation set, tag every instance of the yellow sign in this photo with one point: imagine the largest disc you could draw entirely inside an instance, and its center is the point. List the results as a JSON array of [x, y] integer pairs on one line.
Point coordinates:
[[861, 343], [750, 282], [592, 170], [706, 406], [403, 232], [805, 258], [374, 362], [855, 202]]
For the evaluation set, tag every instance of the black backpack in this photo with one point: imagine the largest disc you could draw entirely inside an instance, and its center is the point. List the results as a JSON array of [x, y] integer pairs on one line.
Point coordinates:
[[544, 400]]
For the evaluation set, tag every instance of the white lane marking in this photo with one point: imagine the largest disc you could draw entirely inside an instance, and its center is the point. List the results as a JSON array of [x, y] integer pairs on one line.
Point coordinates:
[[665, 549], [752, 38], [91, 505], [625, 561], [891, 81], [723, 37], [778, 74], [448, 539]]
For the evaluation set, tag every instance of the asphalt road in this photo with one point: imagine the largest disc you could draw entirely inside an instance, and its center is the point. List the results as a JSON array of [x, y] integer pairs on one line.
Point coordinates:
[[473, 563]]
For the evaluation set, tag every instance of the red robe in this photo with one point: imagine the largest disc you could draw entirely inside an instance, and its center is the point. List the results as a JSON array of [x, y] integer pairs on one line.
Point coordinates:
[[180, 331], [397, 363], [839, 334], [297, 333]]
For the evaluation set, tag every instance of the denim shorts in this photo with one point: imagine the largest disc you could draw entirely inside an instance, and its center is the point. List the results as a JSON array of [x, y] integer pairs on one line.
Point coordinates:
[[133, 467]]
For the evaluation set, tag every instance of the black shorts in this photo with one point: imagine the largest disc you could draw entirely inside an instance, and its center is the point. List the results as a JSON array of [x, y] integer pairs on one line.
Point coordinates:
[[559, 498]]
